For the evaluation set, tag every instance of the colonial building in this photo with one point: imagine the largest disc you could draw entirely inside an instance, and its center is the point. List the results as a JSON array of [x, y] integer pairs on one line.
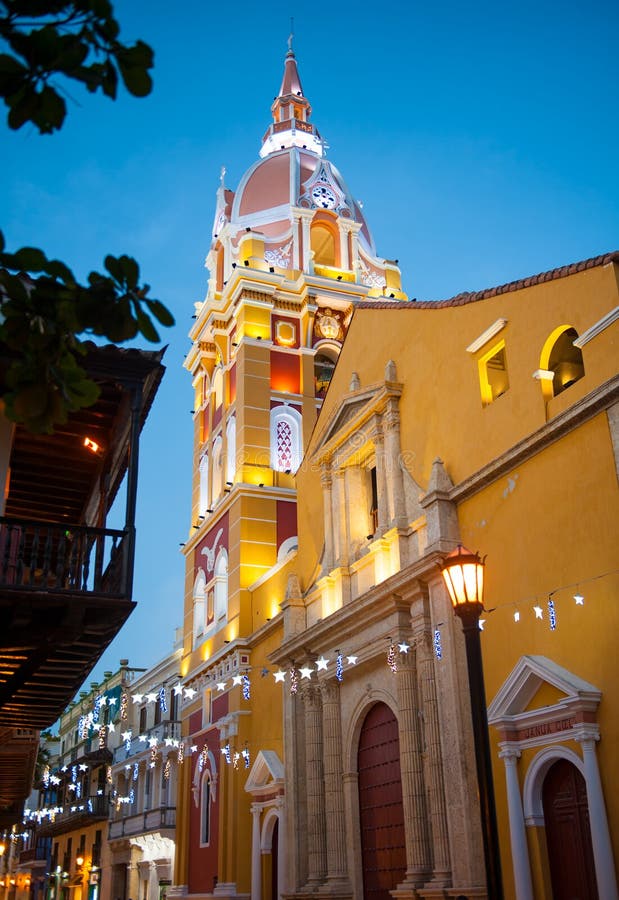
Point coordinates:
[[328, 705]]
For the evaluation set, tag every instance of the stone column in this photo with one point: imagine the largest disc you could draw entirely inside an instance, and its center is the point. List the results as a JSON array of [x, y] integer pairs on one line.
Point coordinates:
[[441, 874], [256, 855], [341, 523], [327, 503], [337, 873], [307, 244], [316, 837], [517, 830], [296, 260], [381, 480], [418, 864], [395, 479], [600, 836], [281, 849]]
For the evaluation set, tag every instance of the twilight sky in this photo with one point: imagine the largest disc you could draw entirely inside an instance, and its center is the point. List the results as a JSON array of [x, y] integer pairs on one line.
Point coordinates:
[[481, 138]]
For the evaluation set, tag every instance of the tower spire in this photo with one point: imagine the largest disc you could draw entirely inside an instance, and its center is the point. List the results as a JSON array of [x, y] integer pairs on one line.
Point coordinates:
[[291, 111]]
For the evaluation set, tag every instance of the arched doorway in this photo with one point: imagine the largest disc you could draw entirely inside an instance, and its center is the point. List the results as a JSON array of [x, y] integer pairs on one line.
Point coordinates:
[[274, 848], [381, 812], [568, 836]]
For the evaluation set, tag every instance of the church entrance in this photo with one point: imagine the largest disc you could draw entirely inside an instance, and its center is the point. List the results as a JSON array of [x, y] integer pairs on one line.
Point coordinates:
[[568, 836], [381, 812]]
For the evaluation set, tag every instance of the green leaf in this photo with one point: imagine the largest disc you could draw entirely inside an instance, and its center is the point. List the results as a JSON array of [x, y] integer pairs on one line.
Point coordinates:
[[58, 269], [52, 110], [131, 271], [161, 313], [30, 259], [114, 267], [146, 326]]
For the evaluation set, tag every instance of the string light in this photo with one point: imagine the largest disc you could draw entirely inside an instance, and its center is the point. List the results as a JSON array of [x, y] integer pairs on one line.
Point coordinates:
[[246, 686], [517, 616], [438, 647], [245, 755], [294, 680], [181, 753], [552, 616], [392, 661], [339, 667], [124, 703], [162, 700]]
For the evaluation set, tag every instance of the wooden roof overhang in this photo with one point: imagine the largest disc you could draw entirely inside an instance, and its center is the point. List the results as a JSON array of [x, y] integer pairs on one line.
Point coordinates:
[[65, 579]]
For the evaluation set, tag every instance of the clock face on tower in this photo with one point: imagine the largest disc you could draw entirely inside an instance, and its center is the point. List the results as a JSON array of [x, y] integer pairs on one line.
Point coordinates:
[[323, 196]]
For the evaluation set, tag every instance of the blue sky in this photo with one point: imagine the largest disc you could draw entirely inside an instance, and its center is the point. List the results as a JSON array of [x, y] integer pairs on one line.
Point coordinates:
[[480, 137]]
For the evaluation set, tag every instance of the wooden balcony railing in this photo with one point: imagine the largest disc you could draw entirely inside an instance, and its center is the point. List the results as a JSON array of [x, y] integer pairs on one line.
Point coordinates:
[[59, 557]]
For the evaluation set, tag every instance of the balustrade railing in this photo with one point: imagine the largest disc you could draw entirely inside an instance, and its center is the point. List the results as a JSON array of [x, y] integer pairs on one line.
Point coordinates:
[[60, 557], [149, 820]]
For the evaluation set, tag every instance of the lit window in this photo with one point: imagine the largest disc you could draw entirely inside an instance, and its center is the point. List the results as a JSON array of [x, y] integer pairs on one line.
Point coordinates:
[[493, 379], [218, 386], [285, 439], [231, 449], [199, 607], [323, 372], [221, 585], [323, 245], [203, 500], [218, 468]]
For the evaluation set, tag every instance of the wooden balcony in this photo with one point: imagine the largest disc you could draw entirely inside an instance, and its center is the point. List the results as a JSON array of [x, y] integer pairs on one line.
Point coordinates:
[[161, 818]]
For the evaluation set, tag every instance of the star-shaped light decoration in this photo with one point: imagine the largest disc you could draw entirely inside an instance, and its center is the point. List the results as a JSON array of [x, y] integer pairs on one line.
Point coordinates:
[[482, 622], [111, 727], [539, 612], [83, 767], [321, 664], [237, 679], [126, 735], [111, 701], [517, 616], [306, 672], [127, 767], [404, 647], [151, 698], [137, 698], [190, 693], [580, 600], [152, 742], [221, 685], [178, 689], [102, 700], [193, 748], [279, 677], [64, 769], [352, 660]]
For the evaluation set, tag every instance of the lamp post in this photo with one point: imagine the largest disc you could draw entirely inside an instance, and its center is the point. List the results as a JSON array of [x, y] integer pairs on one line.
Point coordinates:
[[463, 573]]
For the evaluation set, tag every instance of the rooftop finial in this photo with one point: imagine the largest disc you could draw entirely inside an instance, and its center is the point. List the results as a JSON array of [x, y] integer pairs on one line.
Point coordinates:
[[290, 37]]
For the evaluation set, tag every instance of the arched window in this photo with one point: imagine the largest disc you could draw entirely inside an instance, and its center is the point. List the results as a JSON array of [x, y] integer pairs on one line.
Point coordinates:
[[323, 244], [324, 364], [231, 449], [286, 433], [199, 607], [218, 386], [220, 588], [561, 358], [218, 468], [205, 810], [203, 500]]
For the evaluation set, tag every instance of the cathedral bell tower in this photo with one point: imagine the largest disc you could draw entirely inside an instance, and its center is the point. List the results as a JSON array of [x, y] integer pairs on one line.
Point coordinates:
[[290, 256]]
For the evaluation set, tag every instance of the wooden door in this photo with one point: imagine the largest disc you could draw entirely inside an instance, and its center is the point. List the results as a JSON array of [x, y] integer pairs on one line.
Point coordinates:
[[381, 811], [568, 836]]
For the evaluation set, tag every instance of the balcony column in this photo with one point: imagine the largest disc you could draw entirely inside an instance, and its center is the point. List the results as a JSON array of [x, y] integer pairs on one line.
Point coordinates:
[[316, 830]]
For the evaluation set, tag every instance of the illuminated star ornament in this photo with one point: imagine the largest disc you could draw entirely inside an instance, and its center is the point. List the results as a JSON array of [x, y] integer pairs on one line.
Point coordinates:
[[321, 664], [279, 677], [221, 685], [306, 672], [404, 647], [352, 660], [580, 600], [237, 679], [539, 612]]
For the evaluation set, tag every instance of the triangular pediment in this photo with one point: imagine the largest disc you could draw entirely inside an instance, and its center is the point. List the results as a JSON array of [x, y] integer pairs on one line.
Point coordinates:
[[266, 773], [535, 683]]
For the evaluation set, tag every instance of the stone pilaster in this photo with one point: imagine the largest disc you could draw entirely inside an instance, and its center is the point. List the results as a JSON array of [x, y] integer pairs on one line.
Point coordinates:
[[316, 829], [337, 869], [418, 863], [381, 479], [327, 504], [395, 480]]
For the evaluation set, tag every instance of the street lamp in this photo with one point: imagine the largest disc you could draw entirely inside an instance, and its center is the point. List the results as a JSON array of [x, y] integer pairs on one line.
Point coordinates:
[[463, 573]]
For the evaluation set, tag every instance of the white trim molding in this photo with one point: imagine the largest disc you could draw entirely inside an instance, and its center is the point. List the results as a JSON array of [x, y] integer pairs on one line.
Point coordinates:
[[601, 325], [486, 336]]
